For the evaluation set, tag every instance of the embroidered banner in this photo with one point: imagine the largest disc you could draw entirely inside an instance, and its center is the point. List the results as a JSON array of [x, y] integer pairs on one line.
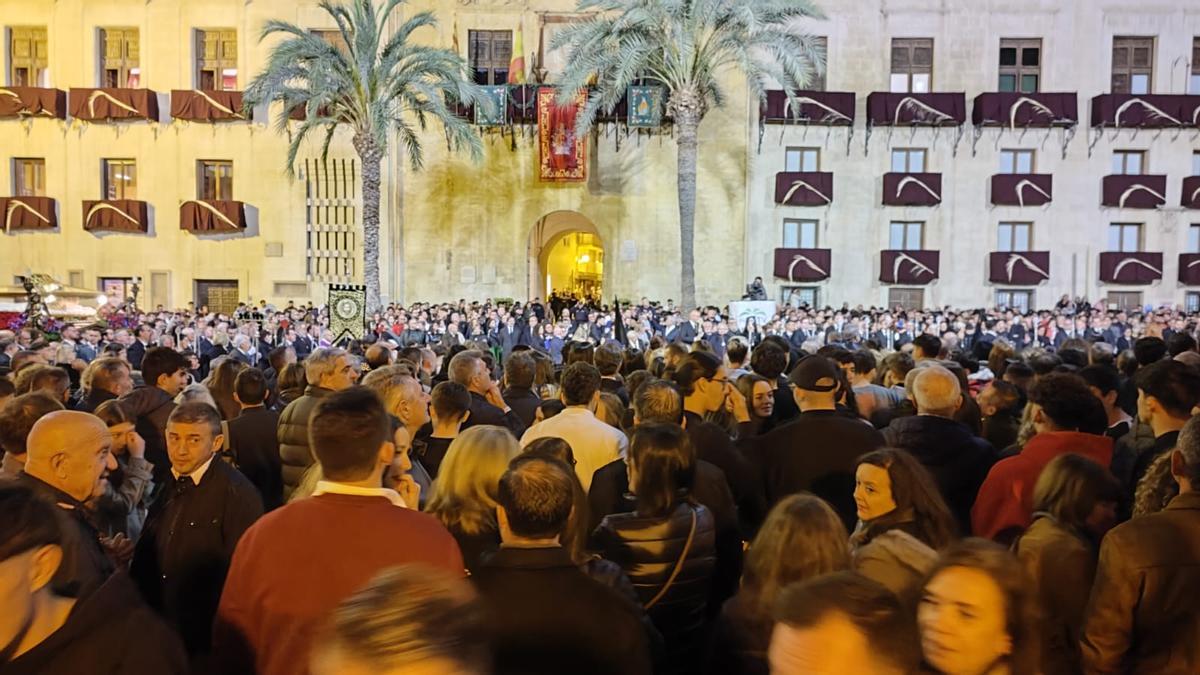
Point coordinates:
[[493, 115], [563, 155], [645, 106]]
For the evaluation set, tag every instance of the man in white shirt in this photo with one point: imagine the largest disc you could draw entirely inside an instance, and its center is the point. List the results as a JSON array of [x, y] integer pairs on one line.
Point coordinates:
[[593, 442]]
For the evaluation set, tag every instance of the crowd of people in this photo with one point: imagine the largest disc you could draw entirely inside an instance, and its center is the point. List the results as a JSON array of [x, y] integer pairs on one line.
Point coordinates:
[[570, 487]]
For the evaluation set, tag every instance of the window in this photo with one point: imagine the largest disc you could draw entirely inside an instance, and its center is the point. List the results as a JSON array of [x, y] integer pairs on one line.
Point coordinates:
[[906, 298], [1016, 161], [908, 160], [1194, 80], [1128, 162], [1193, 243], [331, 35], [216, 59], [1125, 237], [1014, 236], [912, 64], [798, 296], [1020, 65], [1132, 65], [120, 179], [819, 77], [29, 177], [1016, 300], [216, 180], [906, 236], [799, 234], [1124, 300], [802, 159], [116, 288], [119, 58], [490, 54], [28, 57], [1191, 302]]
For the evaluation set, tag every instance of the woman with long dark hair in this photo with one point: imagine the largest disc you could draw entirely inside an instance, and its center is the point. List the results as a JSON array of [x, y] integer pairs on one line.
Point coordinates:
[[667, 545], [1074, 504], [802, 538], [975, 613]]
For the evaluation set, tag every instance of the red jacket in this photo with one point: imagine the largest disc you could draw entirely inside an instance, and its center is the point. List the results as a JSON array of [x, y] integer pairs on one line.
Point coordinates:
[[1005, 499]]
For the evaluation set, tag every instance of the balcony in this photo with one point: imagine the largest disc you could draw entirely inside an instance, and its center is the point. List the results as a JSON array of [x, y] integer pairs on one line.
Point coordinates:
[[912, 189], [106, 105], [205, 216], [912, 109], [1017, 109], [1019, 268], [1145, 111], [28, 213], [195, 105], [116, 215], [25, 102], [1189, 197], [832, 108], [1189, 269], [804, 188], [1134, 192], [908, 267], [1022, 189], [803, 264], [1131, 268]]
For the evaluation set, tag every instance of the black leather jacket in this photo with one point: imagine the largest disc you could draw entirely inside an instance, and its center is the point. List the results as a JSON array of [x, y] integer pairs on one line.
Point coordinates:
[[648, 549]]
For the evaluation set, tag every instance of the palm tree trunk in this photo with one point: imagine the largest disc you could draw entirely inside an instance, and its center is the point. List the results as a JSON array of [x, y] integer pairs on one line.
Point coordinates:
[[686, 108], [370, 154]]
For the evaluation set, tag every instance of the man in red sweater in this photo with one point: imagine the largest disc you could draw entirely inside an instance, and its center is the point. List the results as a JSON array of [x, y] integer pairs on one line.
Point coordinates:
[[1068, 419], [293, 567]]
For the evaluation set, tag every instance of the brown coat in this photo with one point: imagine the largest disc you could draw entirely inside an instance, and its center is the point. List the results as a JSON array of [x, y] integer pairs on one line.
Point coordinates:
[[1142, 617], [1062, 566]]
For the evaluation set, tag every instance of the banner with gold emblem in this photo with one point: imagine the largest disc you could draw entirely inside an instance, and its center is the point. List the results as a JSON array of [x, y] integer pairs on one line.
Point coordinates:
[[563, 154]]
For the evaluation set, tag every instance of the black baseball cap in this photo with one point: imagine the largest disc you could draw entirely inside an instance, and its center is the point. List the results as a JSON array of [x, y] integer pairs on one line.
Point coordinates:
[[815, 373]]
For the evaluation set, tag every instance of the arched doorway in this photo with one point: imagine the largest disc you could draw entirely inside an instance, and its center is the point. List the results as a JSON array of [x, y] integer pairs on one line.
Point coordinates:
[[566, 254]]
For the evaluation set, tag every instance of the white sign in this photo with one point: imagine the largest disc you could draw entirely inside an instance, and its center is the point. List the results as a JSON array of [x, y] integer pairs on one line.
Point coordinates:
[[761, 310]]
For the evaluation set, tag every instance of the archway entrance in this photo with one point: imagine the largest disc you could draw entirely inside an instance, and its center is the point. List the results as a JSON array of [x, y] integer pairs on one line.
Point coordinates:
[[566, 255]]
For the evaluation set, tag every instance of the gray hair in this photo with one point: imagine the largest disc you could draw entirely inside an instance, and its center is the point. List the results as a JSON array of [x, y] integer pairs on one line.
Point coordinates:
[[321, 362], [390, 382], [462, 366], [239, 340], [1188, 446], [936, 390]]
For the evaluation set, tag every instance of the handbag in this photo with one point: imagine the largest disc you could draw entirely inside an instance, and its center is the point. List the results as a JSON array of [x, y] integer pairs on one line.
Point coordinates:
[[687, 547]]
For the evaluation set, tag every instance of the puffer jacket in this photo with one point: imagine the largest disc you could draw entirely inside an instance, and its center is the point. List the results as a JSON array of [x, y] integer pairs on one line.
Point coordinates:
[[895, 559], [294, 451], [648, 549]]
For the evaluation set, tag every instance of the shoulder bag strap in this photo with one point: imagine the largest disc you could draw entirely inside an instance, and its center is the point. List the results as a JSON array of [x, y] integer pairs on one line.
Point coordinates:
[[687, 547]]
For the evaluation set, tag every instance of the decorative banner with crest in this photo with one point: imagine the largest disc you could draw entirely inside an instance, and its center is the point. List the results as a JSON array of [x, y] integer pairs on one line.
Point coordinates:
[[645, 106], [563, 154], [493, 117], [347, 311]]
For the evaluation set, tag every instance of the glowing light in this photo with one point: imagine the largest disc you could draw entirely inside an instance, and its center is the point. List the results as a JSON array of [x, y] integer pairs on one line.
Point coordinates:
[[50, 298], [101, 299], [584, 259]]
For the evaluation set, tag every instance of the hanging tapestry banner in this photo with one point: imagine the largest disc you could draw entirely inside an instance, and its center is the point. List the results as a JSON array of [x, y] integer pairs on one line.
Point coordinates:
[[645, 106], [498, 95], [563, 155], [347, 311]]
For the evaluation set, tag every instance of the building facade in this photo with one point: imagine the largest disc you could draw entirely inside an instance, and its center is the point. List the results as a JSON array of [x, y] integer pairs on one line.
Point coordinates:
[[954, 153]]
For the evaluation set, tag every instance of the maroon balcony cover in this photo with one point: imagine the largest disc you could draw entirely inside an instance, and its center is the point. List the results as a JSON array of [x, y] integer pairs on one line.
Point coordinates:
[[105, 104], [1022, 189], [912, 189], [1019, 268], [1134, 192], [202, 216], [28, 213], [908, 267], [812, 107], [32, 101], [1018, 109], [206, 106], [934, 109], [1145, 111], [803, 264], [116, 215], [804, 188], [1131, 267]]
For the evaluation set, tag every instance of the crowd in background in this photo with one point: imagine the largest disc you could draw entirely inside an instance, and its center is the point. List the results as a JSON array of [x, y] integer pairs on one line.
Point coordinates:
[[569, 487]]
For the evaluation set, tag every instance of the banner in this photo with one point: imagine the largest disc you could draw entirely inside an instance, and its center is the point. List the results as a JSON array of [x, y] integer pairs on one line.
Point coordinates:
[[347, 311], [498, 95], [645, 106], [563, 155], [760, 310]]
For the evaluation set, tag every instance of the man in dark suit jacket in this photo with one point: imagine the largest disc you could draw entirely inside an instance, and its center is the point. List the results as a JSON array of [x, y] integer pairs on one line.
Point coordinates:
[[508, 336], [819, 450], [518, 391], [183, 555], [531, 588], [487, 404], [136, 351], [253, 441]]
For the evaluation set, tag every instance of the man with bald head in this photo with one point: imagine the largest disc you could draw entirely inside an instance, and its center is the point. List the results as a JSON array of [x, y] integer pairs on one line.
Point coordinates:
[[958, 460], [67, 456]]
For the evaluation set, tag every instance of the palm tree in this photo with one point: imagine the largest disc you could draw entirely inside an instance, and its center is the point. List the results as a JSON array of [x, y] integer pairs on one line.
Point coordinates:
[[373, 85], [687, 46]]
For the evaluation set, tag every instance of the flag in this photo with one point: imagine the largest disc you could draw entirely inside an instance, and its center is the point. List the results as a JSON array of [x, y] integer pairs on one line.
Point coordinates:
[[619, 324], [516, 67], [454, 36]]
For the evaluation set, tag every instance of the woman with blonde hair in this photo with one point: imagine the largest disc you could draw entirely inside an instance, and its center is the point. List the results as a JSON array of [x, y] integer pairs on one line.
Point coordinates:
[[802, 538], [463, 497]]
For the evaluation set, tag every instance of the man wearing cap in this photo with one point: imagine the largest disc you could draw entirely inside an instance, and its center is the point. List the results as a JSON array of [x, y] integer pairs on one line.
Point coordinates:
[[817, 451]]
